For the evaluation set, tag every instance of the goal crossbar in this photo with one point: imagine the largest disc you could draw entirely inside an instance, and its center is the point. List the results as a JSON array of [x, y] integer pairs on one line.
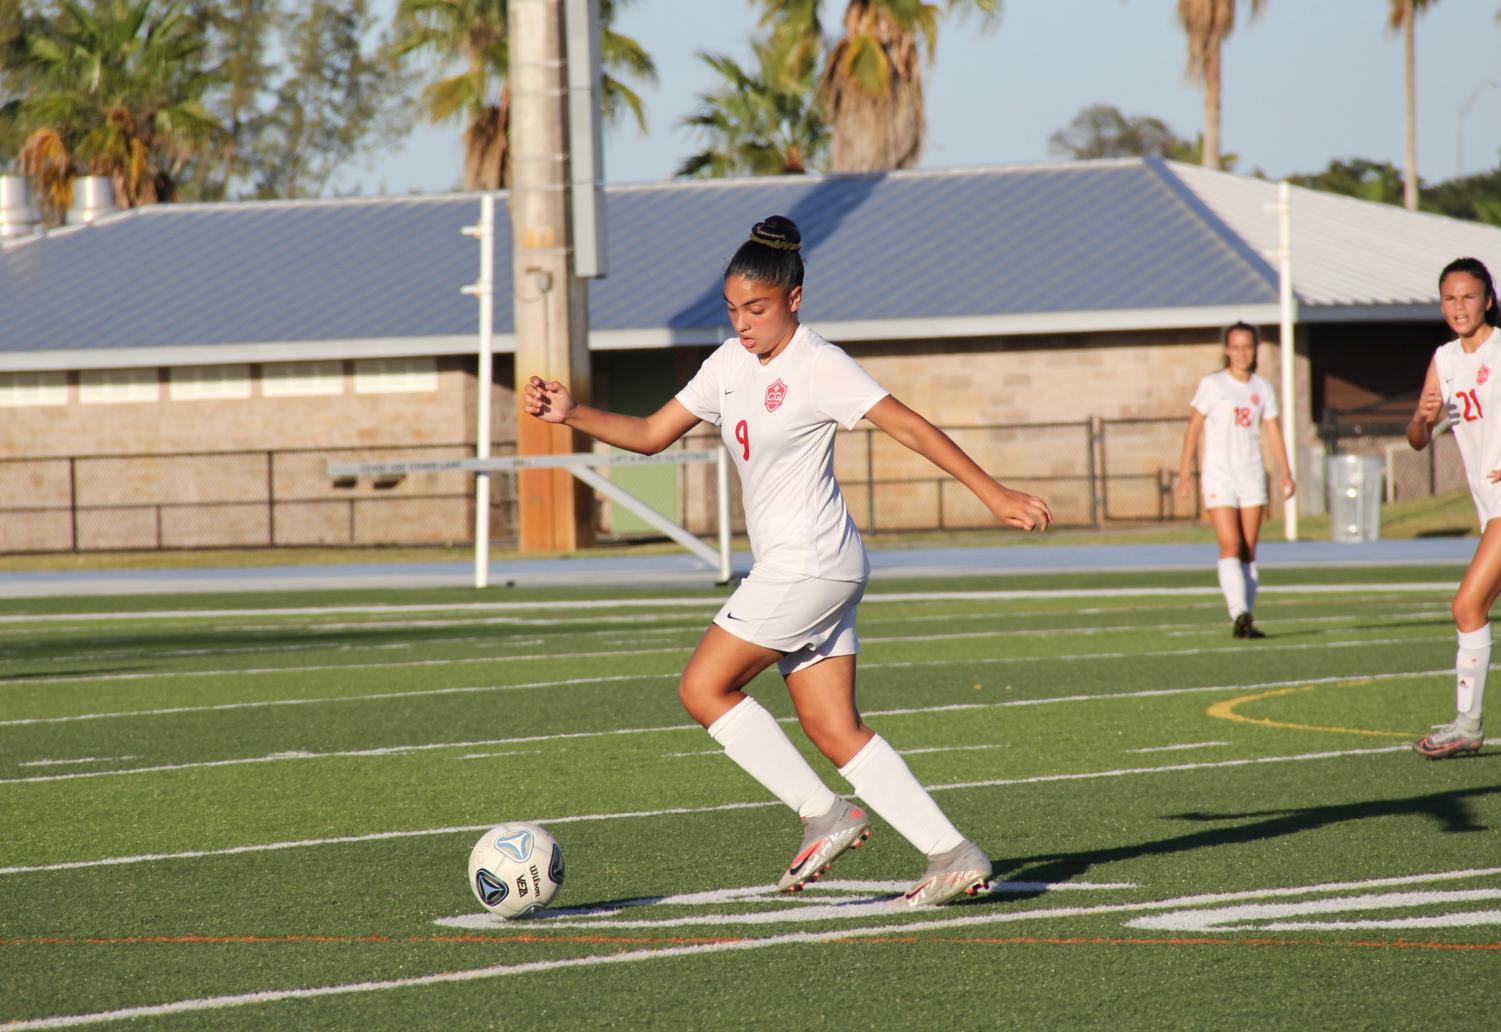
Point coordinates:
[[583, 466]]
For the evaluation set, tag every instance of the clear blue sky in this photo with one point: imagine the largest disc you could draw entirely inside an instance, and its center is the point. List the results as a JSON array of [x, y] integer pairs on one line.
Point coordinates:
[[1308, 81]]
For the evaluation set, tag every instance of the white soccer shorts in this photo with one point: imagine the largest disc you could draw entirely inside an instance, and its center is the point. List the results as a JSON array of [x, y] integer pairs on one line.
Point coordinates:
[[807, 618], [1237, 490]]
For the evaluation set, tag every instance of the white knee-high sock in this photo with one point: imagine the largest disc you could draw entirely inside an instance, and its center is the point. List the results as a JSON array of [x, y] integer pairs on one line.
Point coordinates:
[[1252, 578], [882, 779], [752, 738], [1470, 668], [1233, 585]]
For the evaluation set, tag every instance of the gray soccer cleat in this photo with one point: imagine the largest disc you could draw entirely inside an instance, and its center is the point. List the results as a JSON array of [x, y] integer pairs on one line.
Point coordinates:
[[961, 871], [825, 839], [1449, 740]]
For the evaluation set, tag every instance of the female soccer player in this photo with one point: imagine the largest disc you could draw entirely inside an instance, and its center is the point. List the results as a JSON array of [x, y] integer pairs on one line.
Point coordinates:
[[777, 390], [1229, 410], [1461, 383]]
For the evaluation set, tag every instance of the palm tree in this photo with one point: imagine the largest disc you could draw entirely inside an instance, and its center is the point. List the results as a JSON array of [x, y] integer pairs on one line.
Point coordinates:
[[113, 91], [472, 34], [870, 86], [1401, 17], [757, 125], [1207, 24]]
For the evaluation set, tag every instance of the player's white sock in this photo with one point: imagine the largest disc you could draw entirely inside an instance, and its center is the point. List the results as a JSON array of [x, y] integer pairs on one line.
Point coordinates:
[[1470, 668], [882, 779], [752, 738], [1233, 585], [1253, 581]]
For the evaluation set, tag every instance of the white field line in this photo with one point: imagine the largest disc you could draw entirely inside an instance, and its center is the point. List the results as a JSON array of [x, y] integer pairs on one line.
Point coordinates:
[[1174, 748], [402, 750], [212, 1003], [1037, 779], [876, 665], [147, 652], [717, 601], [81, 759]]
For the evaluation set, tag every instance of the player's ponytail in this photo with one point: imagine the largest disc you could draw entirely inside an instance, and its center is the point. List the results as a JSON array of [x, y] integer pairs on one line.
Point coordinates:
[[771, 255], [1475, 267]]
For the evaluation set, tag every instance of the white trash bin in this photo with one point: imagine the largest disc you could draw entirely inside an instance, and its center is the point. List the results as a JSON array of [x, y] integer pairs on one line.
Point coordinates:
[[1355, 496]]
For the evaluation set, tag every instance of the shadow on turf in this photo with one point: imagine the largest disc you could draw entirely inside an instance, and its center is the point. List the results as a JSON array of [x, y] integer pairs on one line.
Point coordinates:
[[1453, 810]]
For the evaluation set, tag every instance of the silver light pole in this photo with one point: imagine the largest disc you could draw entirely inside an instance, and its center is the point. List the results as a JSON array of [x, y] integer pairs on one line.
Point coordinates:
[[484, 289]]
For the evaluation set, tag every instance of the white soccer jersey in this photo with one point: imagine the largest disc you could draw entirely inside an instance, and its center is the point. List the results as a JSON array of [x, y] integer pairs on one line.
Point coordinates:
[[1233, 412], [778, 422], [1469, 385]]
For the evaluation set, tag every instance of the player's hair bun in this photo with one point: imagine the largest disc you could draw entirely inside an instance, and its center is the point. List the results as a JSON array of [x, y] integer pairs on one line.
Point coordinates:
[[777, 232]]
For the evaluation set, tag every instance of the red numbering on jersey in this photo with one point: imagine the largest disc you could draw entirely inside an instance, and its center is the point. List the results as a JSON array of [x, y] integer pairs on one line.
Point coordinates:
[[1472, 411], [742, 434], [1242, 417]]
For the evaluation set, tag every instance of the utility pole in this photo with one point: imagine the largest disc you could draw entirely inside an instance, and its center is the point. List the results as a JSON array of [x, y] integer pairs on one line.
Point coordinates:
[[551, 316]]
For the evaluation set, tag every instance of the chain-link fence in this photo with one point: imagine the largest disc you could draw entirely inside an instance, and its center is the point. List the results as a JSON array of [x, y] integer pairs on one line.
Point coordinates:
[[1382, 432], [1091, 472]]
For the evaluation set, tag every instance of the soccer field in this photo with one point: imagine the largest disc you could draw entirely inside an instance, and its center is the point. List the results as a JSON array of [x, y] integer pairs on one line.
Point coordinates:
[[251, 812]]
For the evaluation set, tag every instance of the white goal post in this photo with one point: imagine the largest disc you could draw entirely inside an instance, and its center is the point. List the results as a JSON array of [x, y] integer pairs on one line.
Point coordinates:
[[581, 465]]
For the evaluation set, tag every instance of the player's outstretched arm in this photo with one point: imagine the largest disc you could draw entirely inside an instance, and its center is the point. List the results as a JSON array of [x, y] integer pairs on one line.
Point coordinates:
[[1011, 508], [1190, 449], [1430, 408], [552, 402]]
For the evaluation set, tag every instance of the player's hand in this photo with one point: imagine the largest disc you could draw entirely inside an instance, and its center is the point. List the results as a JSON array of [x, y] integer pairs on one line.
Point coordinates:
[[1494, 476], [1185, 485], [1288, 487], [1431, 404], [548, 400], [1021, 510]]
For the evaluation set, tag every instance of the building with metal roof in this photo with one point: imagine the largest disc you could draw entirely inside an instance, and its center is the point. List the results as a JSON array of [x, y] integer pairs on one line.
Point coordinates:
[[1044, 294], [1054, 248]]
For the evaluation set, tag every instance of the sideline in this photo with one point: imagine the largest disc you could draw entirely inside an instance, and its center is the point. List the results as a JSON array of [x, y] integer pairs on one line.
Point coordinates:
[[685, 571]]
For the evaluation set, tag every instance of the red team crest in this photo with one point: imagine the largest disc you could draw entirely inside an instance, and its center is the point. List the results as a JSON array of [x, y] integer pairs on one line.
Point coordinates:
[[1482, 376], [1255, 400], [775, 394]]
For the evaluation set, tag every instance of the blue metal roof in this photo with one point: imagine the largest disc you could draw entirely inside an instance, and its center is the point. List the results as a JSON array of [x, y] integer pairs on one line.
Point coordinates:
[[1092, 236]]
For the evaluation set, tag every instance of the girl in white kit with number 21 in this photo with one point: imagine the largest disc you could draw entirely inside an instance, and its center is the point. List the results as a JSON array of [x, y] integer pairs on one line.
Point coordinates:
[[777, 391]]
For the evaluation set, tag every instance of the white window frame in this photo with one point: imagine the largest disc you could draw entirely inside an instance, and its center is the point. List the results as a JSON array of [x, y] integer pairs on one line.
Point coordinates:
[[417, 375], [209, 382], [118, 386], [302, 379], [30, 388]]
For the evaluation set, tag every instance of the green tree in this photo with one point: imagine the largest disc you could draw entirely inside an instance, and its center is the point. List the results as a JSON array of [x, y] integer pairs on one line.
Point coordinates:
[[468, 39], [113, 91], [1101, 131], [759, 124], [339, 100], [1207, 24], [1476, 197], [870, 85], [1356, 177]]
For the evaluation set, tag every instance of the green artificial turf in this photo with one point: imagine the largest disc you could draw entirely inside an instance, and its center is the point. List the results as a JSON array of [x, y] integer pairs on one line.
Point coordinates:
[[212, 809]]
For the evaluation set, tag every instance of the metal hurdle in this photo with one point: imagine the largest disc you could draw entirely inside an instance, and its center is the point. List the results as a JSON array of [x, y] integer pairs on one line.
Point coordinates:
[[580, 465]]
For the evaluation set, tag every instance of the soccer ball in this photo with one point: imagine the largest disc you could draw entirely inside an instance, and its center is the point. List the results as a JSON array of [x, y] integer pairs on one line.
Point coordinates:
[[515, 869]]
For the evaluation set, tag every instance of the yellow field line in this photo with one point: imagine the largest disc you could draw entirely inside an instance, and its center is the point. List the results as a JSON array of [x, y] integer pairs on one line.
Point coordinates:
[[1226, 710]]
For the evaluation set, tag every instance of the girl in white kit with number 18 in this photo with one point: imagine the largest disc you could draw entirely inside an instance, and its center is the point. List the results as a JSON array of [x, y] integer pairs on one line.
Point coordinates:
[[1230, 410], [777, 391]]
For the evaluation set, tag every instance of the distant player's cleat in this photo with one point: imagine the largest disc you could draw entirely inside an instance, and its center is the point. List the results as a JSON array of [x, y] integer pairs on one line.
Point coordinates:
[[825, 839], [1243, 628], [1449, 740], [962, 871]]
